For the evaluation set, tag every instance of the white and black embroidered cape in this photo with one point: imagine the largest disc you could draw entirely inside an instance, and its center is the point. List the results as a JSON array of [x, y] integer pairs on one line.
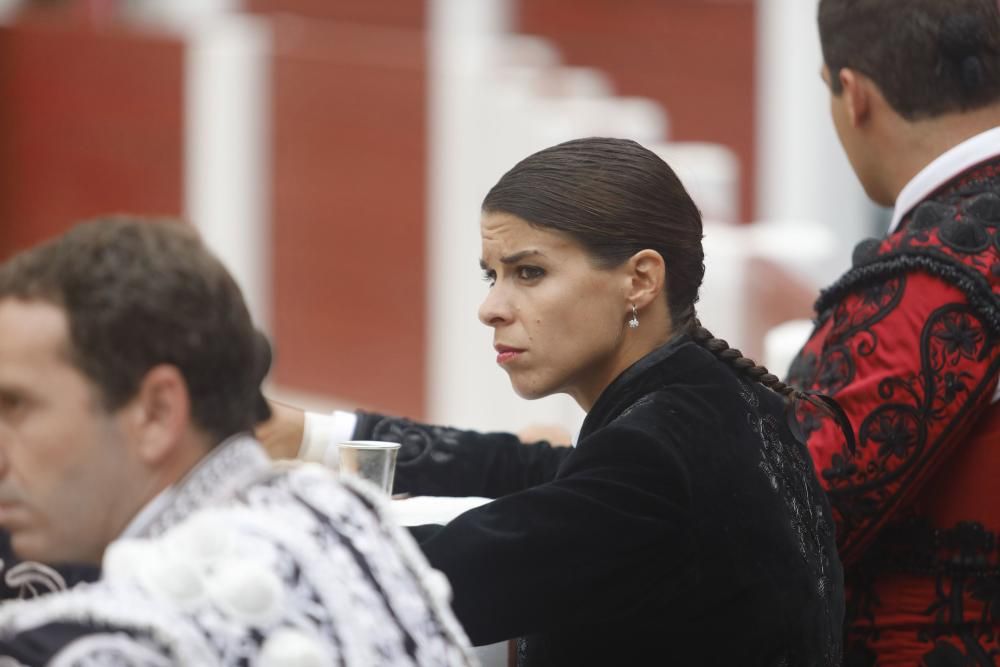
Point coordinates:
[[249, 564]]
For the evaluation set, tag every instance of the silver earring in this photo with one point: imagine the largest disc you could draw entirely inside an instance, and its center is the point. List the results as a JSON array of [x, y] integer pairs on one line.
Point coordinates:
[[634, 322]]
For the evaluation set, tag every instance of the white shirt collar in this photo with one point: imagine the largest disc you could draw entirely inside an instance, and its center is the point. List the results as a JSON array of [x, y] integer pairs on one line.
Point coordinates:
[[943, 168]]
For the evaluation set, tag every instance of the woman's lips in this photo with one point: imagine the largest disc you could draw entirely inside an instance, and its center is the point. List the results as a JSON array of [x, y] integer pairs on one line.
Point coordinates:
[[506, 354]]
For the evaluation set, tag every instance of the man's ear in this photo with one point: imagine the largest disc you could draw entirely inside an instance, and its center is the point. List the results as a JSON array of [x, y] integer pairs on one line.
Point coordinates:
[[160, 413], [857, 90], [647, 277]]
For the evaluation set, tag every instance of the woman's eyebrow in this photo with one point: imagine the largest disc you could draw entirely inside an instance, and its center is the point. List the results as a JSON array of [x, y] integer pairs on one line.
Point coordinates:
[[518, 256], [512, 259]]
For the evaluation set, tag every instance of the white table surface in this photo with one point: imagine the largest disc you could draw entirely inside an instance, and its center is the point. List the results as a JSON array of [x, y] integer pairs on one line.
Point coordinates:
[[420, 510]]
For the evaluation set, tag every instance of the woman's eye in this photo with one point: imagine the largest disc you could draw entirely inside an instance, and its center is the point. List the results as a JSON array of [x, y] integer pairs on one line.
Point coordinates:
[[490, 277], [10, 403], [529, 272]]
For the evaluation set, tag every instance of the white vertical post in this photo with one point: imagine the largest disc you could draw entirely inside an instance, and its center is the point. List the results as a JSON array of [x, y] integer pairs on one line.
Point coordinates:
[[226, 176], [802, 172], [9, 8], [462, 35], [478, 128]]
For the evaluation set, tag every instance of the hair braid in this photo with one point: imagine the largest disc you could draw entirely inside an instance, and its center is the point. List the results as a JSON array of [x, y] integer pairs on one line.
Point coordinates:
[[755, 371], [742, 364]]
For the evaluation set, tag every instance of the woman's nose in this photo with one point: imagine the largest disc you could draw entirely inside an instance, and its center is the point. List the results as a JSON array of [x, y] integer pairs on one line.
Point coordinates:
[[494, 311]]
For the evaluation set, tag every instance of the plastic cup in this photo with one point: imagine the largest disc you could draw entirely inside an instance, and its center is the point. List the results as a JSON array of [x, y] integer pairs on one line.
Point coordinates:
[[370, 460]]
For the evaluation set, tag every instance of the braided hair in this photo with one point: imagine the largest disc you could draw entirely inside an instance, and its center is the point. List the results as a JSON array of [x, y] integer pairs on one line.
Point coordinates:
[[743, 365], [751, 369]]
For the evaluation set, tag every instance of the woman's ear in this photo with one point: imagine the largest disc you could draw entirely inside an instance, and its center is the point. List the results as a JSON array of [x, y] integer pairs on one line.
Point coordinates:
[[646, 277], [160, 413]]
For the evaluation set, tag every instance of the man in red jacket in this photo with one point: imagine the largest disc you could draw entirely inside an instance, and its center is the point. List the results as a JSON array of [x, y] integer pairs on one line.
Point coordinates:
[[908, 340]]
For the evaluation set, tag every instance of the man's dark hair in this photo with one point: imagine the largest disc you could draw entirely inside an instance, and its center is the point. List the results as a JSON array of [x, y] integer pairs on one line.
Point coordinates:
[[138, 293], [928, 57]]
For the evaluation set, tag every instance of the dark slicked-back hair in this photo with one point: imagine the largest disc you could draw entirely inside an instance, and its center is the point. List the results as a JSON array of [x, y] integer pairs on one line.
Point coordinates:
[[138, 293], [614, 198], [928, 57]]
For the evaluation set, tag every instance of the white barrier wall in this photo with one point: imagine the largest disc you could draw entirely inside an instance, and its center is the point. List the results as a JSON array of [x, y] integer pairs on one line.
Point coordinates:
[[802, 172], [226, 139]]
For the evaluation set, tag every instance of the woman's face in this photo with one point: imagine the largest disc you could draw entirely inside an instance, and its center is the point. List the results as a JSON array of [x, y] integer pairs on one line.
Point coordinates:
[[558, 320]]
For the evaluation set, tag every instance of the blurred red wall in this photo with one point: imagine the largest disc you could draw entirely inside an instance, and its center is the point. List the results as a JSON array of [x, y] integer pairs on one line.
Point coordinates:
[[695, 57], [349, 162], [90, 122]]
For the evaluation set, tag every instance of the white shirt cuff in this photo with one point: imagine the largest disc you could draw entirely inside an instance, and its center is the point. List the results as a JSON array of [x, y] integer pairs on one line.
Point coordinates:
[[321, 434]]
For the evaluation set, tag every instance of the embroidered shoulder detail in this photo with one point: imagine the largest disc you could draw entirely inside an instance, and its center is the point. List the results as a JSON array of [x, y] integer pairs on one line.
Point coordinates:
[[958, 242], [230, 466]]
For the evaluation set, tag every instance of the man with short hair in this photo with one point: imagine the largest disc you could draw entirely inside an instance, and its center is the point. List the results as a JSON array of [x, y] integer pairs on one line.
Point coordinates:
[[908, 340], [129, 385]]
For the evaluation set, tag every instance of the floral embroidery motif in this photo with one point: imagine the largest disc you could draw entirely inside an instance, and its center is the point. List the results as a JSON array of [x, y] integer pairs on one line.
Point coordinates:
[[787, 469], [956, 239], [417, 441]]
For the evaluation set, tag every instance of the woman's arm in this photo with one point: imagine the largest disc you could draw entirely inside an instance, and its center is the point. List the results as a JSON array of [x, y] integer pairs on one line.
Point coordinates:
[[613, 529], [433, 460]]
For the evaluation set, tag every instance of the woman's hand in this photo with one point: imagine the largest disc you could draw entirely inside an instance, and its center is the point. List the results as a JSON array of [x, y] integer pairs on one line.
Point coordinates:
[[281, 435]]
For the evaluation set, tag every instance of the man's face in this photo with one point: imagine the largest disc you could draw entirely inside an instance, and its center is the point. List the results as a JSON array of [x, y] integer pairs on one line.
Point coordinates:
[[65, 468]]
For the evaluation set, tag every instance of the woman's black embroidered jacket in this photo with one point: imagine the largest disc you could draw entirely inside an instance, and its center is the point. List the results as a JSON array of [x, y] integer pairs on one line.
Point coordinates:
[[687, 526]]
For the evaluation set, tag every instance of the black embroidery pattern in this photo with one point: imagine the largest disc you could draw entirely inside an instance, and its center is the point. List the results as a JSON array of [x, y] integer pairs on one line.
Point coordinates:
[[970, 571], [897, 429], [957, 239], [964, 563], [417, 441], [947, 239], [836, 367], [787, 469], [877, 301]]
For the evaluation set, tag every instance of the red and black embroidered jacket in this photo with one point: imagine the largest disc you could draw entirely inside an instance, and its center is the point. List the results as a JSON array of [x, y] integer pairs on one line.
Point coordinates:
[[908, 342]]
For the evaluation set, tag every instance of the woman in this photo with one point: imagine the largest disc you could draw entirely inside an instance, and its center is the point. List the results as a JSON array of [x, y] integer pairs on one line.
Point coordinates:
[[686, 527]]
